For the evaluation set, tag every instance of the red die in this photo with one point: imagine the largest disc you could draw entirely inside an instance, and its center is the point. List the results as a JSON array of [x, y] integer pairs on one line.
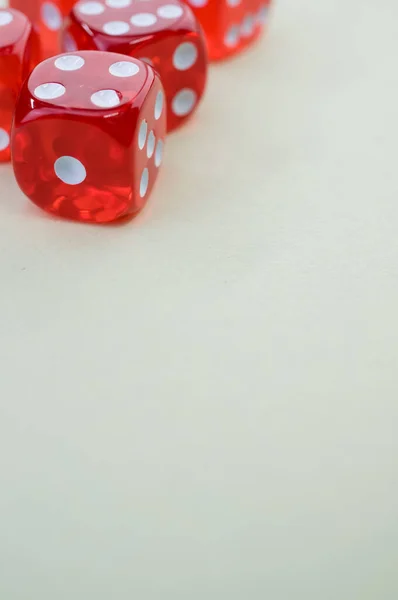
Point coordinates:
[[18, 53], [88, 135], [47, 18], [164, 33], [230, 25]]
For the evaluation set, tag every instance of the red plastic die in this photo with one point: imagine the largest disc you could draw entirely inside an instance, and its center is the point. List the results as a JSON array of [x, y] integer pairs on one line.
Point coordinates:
[[164, 33], [18, 53], [88, 136], [230, 25], [47, 17]]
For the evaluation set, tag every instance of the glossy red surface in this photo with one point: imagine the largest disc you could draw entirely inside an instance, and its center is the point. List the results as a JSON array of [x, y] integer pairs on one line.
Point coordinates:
[[47, 17], [163, 32], [89, 134], [230, 25], [18, 54]]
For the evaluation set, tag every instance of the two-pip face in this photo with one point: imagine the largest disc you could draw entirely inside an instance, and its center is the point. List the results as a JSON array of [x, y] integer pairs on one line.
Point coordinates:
[[47, 17]]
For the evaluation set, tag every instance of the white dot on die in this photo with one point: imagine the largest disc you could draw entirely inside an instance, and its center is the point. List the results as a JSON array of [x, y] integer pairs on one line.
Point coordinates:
[[158, 105], [70, 170], [51, 16], [183, 102], [69, 62], [4, 139], [143, 19], [105, 99], [49, 91], [198, 3], [233, 2], [68, 43], [144, 182], [116, 28], [123, 68], [170, 11], [262, 15], [159, 153], [232, 36], [117, 3], [142, 134], [5, 17], [91, 8], [248, 26], [185, 56], [151, 144]]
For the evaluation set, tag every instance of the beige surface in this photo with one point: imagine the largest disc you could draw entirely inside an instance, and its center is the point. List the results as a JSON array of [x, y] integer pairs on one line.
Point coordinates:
[[203, 404]]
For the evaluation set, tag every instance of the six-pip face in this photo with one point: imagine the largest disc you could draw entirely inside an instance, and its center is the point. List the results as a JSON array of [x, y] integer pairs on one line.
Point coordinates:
[[230, 25]]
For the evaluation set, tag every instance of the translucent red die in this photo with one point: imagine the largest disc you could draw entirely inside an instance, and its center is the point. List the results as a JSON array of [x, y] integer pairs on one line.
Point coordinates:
[[47, 17], [18, 54], [230, 25], [164, 33], [88, 137]]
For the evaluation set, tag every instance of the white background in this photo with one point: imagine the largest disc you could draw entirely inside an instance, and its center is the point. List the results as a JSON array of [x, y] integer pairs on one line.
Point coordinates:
[[203, 404]]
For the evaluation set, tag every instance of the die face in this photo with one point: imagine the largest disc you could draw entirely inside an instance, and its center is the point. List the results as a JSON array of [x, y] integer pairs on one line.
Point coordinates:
[[181, 61], [78, 144], [164, 33], [80, 75], [230, 25], [47, 17], [18, 52], [127, 21]]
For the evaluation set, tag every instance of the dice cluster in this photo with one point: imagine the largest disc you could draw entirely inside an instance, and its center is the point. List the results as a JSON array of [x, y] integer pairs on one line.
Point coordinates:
[[89, 90]]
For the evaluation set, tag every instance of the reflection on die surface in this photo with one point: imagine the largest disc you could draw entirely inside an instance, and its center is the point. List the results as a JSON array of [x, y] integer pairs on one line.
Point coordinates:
[[164, 33], [18, 54], [89, 135], [231, 25]]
